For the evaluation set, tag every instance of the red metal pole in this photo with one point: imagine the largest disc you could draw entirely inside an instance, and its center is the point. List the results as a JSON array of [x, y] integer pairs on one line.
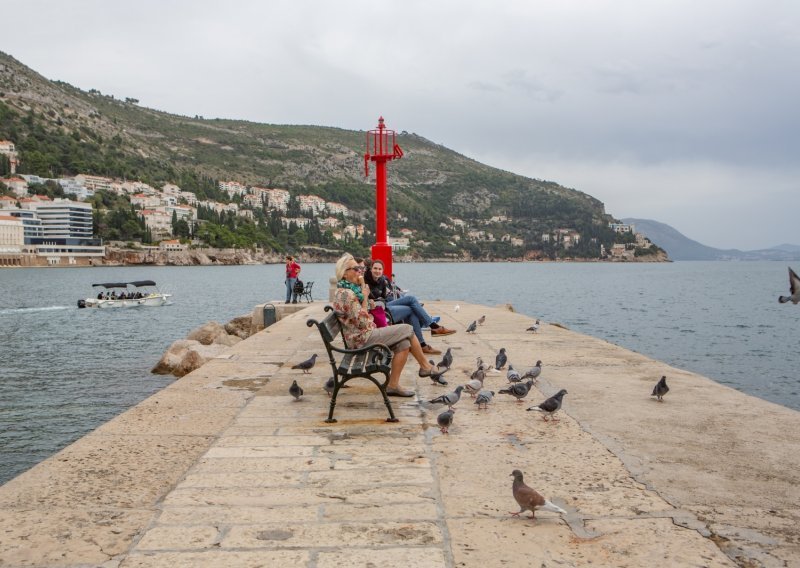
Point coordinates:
[[381, 249]]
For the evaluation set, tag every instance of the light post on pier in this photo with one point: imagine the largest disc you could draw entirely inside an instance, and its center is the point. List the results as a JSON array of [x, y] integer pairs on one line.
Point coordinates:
[[381, 147]]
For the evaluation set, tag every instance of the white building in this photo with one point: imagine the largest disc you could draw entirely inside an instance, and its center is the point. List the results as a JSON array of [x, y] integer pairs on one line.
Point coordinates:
[[301, 222], [621, 228], [95, 183], [145, 201], [172, 245], [12, 235], [311, 203], [337, 208], [158, 222], [278, 199], [232, 188], [16, 184], [63, 218], [398, 243]]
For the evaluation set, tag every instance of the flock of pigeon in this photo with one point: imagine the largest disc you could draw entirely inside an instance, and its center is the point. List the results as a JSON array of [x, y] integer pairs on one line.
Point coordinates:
[[518, 385]]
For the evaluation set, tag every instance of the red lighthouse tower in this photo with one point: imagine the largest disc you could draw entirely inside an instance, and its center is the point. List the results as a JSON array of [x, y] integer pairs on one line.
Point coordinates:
[[381, 147]]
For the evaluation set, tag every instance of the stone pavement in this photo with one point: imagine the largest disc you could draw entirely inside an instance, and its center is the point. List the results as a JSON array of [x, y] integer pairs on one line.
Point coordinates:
[[222, 468]]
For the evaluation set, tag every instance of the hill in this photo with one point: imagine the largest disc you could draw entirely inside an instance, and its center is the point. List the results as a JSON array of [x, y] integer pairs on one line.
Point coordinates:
[[680, 247], [60, 130]]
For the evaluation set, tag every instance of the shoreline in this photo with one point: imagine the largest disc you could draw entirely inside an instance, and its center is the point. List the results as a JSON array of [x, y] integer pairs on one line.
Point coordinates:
[[195, 473]]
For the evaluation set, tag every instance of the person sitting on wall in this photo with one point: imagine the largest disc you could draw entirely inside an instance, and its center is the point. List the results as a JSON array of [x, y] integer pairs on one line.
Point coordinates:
[[352, 303]]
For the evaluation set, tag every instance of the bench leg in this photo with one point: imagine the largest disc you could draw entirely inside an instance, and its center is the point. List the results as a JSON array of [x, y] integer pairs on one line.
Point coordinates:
[[336, 387], [386, 401]]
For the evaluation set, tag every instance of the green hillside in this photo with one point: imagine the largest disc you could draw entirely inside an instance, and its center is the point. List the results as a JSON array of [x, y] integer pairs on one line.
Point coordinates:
[[60, 130]]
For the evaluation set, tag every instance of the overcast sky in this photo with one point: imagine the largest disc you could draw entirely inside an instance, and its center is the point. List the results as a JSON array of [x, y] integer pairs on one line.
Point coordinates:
[[686, 112]]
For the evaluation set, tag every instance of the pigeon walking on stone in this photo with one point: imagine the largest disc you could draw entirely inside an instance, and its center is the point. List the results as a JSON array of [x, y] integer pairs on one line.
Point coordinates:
[[328, 386], [794, 289], [481, 320], [306, 365], [473, 387], [447, 359], [484, 398], [478, 375], [550, 406], [534, 372], [512, 375], [535, 327], [295, 390], [501, 359], [660, 389], [445, 420], [518, 390], [529, 499], [472, 327], [449, 399]]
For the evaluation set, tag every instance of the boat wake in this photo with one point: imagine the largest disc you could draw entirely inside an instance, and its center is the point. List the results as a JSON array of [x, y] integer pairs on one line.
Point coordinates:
[[8, 311]]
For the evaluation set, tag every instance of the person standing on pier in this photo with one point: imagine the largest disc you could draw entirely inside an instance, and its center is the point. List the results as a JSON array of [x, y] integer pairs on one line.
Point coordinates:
[[292, 272]]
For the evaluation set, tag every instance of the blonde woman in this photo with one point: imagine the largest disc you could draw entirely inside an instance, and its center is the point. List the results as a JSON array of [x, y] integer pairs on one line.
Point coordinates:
[[352, 304]]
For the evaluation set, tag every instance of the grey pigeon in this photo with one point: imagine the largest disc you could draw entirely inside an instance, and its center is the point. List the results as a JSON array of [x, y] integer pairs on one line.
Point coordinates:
[[472, 327], [484, 398], [295, 390], [660, 389], [529, 499], [473, 387], [534, 372], [551, 405], [445, 420], [501, 359], [448, 358], [512, 375], [329, 386], [478, 375], [518, 390], [794, 289], [307, 364], [437, 377], [449, 399], [535, 327], [481, 320]]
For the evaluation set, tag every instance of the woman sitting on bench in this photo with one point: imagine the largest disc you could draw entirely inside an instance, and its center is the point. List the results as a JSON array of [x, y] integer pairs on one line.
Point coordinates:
[[351, 302]]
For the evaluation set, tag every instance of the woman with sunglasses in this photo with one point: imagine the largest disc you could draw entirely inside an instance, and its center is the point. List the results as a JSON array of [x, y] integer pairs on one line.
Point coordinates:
[[352, 304]]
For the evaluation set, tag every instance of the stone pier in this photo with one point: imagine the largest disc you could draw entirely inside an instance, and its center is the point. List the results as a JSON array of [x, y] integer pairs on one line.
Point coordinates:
[[222, 468]]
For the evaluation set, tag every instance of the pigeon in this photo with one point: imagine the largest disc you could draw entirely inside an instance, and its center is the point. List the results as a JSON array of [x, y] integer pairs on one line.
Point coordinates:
[[534, 328], [307, 364], [449, 399], [447, 359], [500, 360], [329, 386], [794, 289], [512, 375], [473, 387], [479, 363], [478, 375], [295, 390], [445, 420], [534, 372], [481, 320], [529, 499], [551, 405], [518, 390], [472, 327], [484, 398], [660, 389]]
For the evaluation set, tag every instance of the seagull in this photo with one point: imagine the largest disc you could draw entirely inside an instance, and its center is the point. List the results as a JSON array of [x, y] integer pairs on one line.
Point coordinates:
[[512, 375], [449, 399], [794, 289], [484, 398], [481, 320], [660, 389], [518, 390], [472, 327], [551, 405], [534, 372], [328, 386], [534, 328], [500, 360], [445, 420], [457, 308], [307, 364], [529, 499], [295, 390]]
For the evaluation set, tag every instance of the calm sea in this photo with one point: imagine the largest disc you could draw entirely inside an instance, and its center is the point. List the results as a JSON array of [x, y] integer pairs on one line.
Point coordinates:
[[64, 371]]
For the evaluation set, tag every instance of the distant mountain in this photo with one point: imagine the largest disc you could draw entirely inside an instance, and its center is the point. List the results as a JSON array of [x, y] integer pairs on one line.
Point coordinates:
[[680, 247]]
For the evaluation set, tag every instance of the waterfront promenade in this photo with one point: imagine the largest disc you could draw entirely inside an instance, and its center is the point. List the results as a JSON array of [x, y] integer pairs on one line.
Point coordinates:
[[222, 469]]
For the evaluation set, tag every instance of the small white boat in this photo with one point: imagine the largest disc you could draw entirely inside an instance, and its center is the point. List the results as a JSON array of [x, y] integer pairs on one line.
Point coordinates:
[[126, 295]]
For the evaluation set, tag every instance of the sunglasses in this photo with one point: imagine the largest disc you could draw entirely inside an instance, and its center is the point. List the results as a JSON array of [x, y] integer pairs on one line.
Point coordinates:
[[357, 268]]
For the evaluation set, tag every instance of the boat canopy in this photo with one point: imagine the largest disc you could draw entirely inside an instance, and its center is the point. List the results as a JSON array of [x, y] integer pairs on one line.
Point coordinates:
[[137, 283]]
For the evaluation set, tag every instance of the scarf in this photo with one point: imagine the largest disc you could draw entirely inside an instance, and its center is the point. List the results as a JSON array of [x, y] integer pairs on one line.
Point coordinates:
[[355, 288]]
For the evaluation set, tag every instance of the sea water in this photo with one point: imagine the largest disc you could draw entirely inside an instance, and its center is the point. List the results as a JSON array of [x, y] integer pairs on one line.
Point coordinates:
[[64, 371]]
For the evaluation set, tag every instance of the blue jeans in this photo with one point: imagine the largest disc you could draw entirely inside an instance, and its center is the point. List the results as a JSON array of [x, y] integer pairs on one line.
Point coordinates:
[[290, 289], [408, 309]]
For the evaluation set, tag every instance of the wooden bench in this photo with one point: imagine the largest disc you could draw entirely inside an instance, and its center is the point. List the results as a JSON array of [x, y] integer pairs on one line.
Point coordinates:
[[353, 363]]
